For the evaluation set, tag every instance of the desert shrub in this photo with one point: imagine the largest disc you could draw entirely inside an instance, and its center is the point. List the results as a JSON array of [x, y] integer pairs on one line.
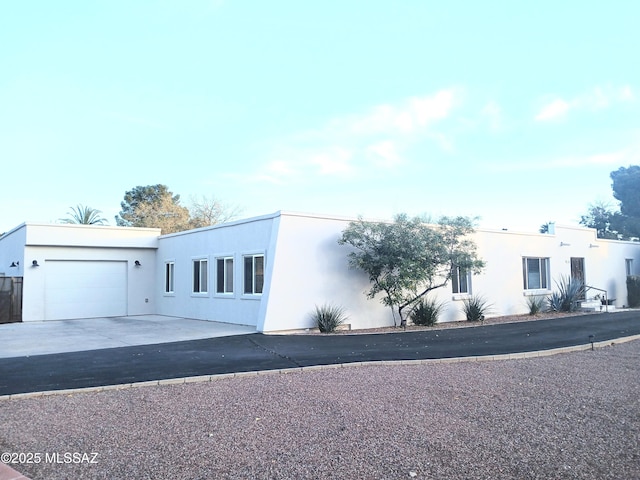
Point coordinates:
[[535, 304], [328, 317], [554, 302], [426, 312], [475, 308], [633, 290], [565, 299]]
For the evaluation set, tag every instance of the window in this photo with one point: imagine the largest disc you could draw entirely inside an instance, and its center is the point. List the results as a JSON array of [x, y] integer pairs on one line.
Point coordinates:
[[253, 274], [461, 280], [168, 277], [200, 276], [536, 273], [224, 275], [628, 264]]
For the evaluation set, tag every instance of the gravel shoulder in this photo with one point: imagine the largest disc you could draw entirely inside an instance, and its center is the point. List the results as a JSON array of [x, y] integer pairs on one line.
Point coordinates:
[[569, 416], [457, 324]]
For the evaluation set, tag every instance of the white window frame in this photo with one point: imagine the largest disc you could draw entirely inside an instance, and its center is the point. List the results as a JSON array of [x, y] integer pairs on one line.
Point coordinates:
[[459, 290], [228, 278], [628, 266], [256, 286], [169, 277], [203, 276], [543, 270]]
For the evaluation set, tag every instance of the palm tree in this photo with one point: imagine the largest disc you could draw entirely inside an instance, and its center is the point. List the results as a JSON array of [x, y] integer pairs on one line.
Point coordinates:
[[82, 215]]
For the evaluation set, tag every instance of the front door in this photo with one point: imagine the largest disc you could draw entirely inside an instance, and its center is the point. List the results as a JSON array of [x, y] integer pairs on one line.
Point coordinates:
[[577, 270]]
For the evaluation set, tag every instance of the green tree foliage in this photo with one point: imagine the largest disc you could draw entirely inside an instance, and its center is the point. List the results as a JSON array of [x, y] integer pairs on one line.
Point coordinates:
[[633, 290], [626, 189], [153, 206], [622, 224], [604, 219], [156, 206], [408, 258], [81, 215]]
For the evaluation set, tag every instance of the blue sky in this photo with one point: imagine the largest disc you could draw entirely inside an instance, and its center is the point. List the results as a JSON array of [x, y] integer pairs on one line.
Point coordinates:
[[515, 112]]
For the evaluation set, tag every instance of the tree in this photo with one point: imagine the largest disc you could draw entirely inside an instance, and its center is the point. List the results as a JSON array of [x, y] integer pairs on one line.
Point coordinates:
[[153, 206], [207, 211], [601, 217], [408, 258], [81, 215], [626, 189]]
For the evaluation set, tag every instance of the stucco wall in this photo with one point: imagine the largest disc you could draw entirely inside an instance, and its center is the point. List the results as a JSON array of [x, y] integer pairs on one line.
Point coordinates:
[[51, 242], [304, 267], [12, 252], [235, 240], [310, 269], [501, 282]]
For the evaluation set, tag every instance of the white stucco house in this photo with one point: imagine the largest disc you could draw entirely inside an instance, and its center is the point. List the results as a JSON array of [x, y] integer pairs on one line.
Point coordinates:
[[270, 271]]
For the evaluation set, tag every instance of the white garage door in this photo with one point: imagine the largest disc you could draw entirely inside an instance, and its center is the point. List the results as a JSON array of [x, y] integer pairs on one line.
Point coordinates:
[[85, 289]]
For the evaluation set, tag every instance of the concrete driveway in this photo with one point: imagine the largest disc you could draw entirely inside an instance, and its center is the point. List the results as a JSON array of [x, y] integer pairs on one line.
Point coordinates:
[[61, 336]]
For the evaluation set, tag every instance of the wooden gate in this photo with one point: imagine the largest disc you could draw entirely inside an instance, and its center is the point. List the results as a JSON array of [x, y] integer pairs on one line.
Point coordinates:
[[10, 299]]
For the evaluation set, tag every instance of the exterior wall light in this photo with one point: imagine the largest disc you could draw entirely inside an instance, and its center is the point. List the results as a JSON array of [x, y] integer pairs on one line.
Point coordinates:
[[14, 264], [137, 263], [565, 244], [35, 263]]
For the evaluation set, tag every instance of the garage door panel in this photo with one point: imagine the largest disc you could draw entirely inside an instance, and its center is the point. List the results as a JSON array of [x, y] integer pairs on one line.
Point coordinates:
[[85, 289]]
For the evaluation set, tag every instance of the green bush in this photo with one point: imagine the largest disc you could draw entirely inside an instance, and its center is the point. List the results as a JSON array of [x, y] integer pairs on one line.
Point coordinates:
[[570, 291], [475, 308], [426, 312], [328, 317], [535, 304], [633, 290]]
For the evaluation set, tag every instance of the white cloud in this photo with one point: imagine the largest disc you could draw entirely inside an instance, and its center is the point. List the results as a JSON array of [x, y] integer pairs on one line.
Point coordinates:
[[613, 158], [361, 143], [384, 154], [404, 117], [280, 167], [333, 161], [626, 94], [492, 113], [598, 98], [556, 109]]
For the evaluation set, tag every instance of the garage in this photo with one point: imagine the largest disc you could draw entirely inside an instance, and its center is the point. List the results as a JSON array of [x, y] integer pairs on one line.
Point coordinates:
[[85, 289]]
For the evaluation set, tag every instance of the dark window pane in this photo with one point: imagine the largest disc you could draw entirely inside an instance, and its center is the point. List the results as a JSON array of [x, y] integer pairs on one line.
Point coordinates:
[[196, 276], [248, 274], [259, 274], [220, 275]]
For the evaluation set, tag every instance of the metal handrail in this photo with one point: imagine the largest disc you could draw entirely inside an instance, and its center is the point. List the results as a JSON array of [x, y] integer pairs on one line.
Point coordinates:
[[606, 301]]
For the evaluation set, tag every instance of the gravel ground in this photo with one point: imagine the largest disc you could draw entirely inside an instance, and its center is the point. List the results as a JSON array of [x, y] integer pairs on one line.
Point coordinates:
[[456, 324], [570, 416]]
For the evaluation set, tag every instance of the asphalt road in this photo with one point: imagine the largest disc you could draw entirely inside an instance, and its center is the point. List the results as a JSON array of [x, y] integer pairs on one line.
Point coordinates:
[[253, 352]]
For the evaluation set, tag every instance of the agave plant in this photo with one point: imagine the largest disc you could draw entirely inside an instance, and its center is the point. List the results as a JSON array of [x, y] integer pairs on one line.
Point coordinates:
[[535, 304], [570, 291], [328, 317], [475, 308], [426, 312]]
